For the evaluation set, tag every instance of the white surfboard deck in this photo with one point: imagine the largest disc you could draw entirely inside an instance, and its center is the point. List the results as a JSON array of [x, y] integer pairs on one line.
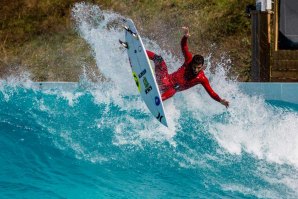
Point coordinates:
[[143, 72]]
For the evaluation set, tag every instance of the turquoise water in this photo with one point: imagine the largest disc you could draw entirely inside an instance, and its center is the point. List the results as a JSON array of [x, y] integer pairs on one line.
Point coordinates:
[[58, 144], [98, 140]]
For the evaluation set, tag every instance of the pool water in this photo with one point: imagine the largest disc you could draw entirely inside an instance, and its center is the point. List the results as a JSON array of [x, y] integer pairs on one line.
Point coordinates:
[[62, 144]]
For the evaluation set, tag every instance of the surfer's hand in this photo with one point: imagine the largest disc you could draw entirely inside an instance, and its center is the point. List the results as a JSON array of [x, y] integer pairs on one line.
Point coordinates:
[[186, 31], [225, 103]]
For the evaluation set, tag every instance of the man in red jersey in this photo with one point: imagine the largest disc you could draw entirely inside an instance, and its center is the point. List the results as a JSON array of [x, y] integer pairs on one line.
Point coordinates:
[[188, 75]]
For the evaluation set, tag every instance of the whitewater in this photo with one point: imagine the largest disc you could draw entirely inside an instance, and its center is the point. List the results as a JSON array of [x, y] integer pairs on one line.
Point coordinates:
[[99, 140]]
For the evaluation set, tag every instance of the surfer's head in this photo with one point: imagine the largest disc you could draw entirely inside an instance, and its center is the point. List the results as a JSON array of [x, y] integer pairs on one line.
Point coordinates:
[[197, 63]]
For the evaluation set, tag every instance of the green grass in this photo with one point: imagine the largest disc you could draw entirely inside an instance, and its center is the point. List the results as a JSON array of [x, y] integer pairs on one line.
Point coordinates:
[[38, 35]]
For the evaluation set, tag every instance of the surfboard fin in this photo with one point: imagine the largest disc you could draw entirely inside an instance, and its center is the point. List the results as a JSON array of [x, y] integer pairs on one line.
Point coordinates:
[[125, 27], [132, 33], [124, 44]]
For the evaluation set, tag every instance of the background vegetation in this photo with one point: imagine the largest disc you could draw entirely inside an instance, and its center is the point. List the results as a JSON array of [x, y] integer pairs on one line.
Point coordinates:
[[38, 35]]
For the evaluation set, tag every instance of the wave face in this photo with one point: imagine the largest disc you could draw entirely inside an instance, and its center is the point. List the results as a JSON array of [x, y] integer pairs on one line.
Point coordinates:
[[99, 140]]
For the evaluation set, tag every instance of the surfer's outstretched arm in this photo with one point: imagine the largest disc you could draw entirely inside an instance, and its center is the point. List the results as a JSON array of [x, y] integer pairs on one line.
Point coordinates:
[[205, 83]]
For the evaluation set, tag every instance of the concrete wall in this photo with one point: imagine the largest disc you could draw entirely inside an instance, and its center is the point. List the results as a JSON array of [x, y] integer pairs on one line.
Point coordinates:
[[66, 86], [287, 92]]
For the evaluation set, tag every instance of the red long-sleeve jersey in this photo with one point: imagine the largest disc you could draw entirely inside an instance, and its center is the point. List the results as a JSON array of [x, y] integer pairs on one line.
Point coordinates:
[[181, 79]]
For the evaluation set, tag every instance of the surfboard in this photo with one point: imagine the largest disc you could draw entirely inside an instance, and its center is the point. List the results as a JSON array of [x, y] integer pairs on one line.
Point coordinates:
[[142, 71]]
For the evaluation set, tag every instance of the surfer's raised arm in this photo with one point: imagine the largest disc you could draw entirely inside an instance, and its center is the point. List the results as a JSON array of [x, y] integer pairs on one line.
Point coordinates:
[[186, 31], [184, 46]]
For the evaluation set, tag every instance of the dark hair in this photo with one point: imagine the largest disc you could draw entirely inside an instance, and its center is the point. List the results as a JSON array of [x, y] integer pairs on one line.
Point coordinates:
[[197, 59]]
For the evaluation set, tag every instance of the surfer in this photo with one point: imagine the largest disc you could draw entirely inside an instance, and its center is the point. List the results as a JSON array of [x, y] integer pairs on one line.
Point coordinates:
[[188, 75]]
